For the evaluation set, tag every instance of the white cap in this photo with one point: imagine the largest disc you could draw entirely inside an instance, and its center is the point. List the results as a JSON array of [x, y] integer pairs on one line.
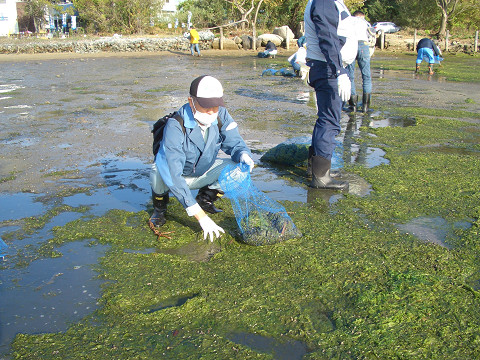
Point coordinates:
[[207, 91]]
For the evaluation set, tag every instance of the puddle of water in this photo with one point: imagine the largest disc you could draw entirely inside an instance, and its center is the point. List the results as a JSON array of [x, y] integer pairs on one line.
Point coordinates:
[[20, 205], [435, 230], [24, 142], [127, 186], [270, 95], [49, 294], [281, 350], [392, 122]]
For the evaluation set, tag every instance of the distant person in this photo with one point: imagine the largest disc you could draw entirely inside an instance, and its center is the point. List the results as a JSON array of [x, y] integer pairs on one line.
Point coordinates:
[[270, 50], [364, 32], [298, 60], [427, 50], [194, 40], [188, 159]]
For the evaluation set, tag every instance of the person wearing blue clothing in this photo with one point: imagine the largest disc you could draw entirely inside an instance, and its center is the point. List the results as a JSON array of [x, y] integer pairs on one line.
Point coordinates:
[[364, 32], [301, 41], [323, 20], [188, 155], [270, 50], [426, 49]]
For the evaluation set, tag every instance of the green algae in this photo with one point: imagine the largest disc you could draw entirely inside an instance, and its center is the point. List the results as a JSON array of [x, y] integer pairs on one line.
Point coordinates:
[[353, 286]]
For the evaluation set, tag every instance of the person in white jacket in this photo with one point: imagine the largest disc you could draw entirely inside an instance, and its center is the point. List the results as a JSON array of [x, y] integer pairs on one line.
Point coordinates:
[[298, 60]]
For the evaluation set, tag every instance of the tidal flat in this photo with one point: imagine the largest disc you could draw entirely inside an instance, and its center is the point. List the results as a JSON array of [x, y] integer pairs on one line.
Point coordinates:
[[388, 270]]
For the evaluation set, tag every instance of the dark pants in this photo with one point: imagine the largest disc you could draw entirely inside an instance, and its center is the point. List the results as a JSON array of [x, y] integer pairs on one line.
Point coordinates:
[[329, 106]]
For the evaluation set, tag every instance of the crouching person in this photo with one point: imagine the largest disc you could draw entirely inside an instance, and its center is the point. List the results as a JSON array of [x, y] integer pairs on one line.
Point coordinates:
[[187, 158]]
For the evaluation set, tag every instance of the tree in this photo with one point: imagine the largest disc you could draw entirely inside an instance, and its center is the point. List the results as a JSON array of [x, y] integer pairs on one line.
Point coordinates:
[[244, 7], [448, 8], [37, 9]]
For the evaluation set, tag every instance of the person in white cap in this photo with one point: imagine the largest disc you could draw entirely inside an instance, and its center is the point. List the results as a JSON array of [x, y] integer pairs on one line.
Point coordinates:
[[188, 155]]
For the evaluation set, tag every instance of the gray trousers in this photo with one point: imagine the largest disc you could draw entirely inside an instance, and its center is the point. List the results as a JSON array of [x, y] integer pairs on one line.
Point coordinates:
[[209, 178]]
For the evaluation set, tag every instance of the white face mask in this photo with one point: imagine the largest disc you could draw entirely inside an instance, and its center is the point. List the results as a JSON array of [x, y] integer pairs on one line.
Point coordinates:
[[204, 119]]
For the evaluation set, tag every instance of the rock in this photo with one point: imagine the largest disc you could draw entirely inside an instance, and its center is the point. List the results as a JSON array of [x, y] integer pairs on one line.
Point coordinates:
[[282, 31], [276, 39], [247, 42], [206, 35], [228, 44]]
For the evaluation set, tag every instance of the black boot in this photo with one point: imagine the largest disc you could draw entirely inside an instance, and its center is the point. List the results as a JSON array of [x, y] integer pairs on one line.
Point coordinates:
[[365, 102], [206, 197], [352, 103], [321, 178], [309, 164], [159, 208]]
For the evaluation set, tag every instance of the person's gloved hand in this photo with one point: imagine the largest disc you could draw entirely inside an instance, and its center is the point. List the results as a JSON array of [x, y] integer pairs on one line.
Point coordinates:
[[210, 228], [344, 87], [246, 159]]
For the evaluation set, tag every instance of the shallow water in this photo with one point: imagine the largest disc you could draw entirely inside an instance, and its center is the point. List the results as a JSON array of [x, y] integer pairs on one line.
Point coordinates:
[[84, 123]]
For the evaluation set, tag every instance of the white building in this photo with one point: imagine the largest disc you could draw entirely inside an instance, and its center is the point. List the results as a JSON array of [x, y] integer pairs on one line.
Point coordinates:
[[170, 6], [8, 17]]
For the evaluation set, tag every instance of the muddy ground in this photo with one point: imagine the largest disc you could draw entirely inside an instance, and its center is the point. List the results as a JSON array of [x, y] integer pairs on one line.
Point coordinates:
[[67, 110], [75, 144]]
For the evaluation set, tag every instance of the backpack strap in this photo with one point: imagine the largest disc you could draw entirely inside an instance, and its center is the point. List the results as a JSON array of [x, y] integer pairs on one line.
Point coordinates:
[[177, 117]]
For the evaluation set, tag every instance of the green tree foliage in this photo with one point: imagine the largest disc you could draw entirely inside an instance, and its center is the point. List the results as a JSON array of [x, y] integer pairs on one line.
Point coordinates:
[[124, 16], [36, 9], [467, 16], [206, 14]]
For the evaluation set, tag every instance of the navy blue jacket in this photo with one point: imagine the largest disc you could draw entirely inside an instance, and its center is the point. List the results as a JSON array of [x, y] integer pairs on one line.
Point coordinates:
[[322, 18], [429, 44]]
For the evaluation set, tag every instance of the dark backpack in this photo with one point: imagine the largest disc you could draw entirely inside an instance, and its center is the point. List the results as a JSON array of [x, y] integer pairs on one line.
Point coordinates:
[[158, 127]]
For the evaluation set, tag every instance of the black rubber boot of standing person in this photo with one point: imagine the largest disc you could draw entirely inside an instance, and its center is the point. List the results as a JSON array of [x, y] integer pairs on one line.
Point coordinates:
[[321, 178], [206, 198], [430, 69], [365, 102], [352, 103], [417, 68], [159, 208], [309, 163]]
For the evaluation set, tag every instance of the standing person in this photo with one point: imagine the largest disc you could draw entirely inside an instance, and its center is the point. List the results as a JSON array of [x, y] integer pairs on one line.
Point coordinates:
[[323, 19], [187, 157], [364, 32], [426, 49], [194, 40]]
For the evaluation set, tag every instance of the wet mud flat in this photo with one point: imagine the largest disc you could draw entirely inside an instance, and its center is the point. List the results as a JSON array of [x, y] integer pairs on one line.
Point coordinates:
[[75, 154]]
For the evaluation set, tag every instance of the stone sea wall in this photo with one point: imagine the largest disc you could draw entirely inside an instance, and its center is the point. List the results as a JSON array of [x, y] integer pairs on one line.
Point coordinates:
[[110, 44]]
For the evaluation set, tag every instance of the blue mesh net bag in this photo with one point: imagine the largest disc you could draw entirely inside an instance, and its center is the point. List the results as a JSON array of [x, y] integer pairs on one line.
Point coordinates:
[[261, 220]]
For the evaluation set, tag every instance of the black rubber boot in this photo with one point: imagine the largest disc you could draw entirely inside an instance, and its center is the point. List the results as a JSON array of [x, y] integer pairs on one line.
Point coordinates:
[[352, 103], [159, 208], [365, 102], [430, 69], [321, 178], [206, 197], [309, 164], [417, 68]]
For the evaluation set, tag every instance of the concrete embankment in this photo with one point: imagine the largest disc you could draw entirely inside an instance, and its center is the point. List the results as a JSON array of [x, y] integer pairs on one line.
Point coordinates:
[[107, 44]]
